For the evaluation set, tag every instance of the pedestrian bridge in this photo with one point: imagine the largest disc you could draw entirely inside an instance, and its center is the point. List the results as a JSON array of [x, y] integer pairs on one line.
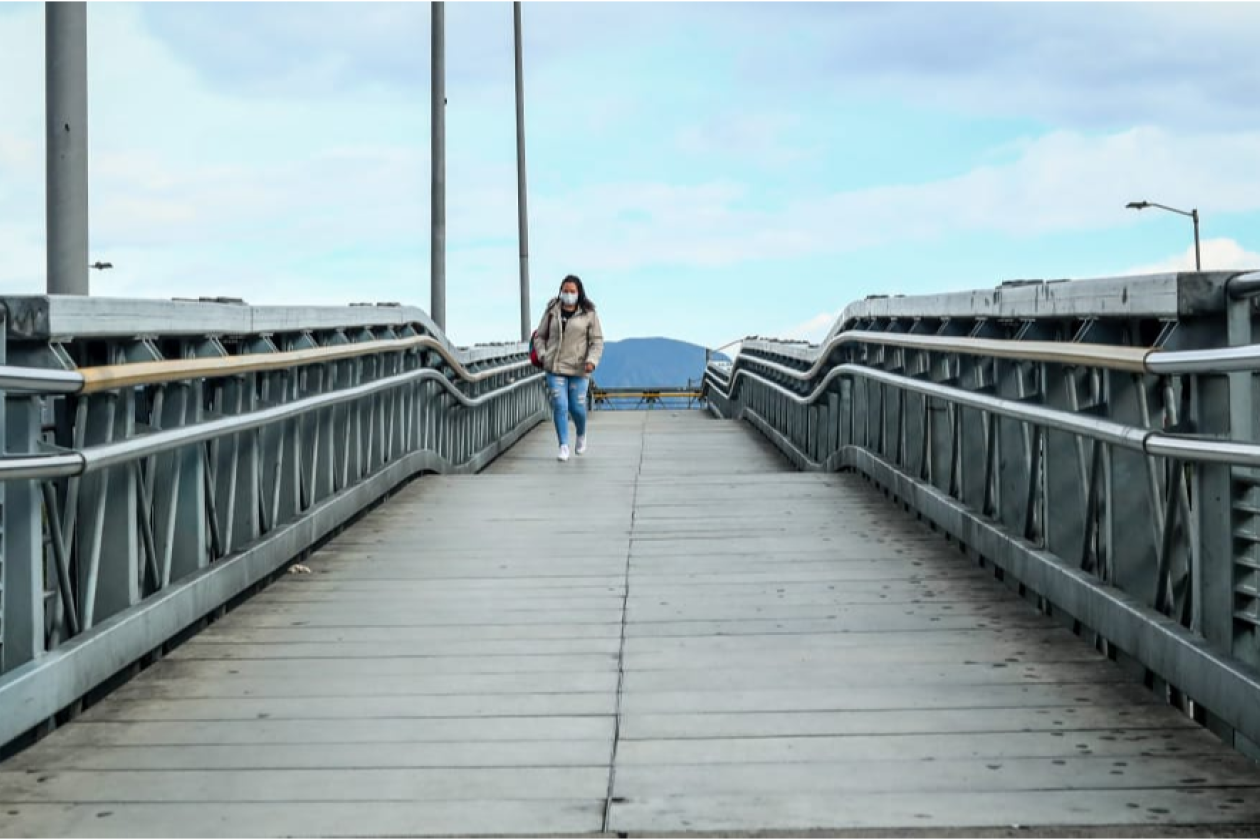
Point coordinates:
[[977, 561]]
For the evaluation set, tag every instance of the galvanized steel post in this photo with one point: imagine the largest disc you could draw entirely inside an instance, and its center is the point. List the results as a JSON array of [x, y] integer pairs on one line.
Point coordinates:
[[66, 153], [520, 173], [437, 253]]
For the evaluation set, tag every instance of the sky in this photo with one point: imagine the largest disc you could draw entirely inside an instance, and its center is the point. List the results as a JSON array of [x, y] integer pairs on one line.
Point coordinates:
[[711, 170]]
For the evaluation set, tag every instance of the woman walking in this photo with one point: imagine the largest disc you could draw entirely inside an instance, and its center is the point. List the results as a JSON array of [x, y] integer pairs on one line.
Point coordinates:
[[570, 342]]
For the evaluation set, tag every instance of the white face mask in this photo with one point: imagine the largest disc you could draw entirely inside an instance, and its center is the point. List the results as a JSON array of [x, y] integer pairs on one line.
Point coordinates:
[[569, 298]]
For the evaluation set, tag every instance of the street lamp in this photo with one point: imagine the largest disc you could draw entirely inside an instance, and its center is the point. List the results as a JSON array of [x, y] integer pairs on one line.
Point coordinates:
[[1193, 214]]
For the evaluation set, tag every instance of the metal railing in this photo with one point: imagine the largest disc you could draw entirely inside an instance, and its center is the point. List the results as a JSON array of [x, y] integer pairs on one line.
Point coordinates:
[[150, 478], [1091, 441], [636, 398]]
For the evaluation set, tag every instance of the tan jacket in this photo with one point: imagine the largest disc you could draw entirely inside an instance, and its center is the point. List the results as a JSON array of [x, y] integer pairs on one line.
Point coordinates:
[[565, 350]]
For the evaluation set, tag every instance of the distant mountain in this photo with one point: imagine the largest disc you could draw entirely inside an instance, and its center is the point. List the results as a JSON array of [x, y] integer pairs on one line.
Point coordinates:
[[648, 362]]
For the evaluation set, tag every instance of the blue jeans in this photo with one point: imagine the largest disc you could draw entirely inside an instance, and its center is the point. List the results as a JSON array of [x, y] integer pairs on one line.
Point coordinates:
[[568, 397]]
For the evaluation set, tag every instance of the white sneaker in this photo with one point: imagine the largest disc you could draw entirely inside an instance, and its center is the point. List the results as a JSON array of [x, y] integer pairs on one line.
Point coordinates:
[[564, 453], [581, 447]]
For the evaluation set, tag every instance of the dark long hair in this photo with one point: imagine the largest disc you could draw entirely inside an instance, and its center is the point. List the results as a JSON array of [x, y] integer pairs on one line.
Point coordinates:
[[584, 303]]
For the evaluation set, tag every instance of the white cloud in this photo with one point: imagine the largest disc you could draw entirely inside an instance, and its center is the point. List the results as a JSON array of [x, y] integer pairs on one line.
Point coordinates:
[[1221, 254], [212, 195], [344, 50], [767, 139], [297, 192], [374, 196], [1070, 64], [1109, 65], [18, 152], [1065, 181], [1059, 183], [814, 330]]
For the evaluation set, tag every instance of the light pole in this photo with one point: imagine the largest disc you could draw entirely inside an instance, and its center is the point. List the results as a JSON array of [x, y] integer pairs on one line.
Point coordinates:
[[1193, 214], [437, 237], [66, 141], [522, 215]]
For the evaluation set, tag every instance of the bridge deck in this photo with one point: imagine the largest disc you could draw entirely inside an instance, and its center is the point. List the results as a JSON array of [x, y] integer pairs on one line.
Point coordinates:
[[673, 633]]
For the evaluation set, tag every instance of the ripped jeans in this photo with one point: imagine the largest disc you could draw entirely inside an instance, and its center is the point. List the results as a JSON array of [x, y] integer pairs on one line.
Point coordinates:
[[568, 397]]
